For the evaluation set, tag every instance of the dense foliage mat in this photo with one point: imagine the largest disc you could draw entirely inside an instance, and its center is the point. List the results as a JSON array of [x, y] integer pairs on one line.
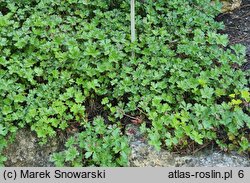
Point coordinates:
[[59, 58]]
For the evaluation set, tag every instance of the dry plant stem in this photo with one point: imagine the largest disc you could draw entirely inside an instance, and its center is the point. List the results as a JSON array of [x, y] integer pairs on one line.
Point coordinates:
[[243, 16], [130, 116], [244, 6], [141, 111], [240, 40], [127, 114], [202, 147]]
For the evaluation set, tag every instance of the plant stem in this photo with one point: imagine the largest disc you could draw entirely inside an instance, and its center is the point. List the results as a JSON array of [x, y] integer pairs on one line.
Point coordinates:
[[132, 6]]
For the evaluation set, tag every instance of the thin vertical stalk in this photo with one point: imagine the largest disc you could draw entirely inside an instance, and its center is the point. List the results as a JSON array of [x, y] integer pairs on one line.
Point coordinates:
[[132, 10]]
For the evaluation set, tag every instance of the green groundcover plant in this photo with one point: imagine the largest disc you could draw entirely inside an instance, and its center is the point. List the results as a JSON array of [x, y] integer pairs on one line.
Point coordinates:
[[185, 79]]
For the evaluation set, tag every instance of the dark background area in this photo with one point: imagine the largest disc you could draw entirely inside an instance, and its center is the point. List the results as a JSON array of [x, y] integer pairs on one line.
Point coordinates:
[[237, 26]]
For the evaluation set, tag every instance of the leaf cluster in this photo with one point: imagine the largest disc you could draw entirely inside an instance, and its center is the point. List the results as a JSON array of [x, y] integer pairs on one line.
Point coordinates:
[[98, 145], [185, 79]]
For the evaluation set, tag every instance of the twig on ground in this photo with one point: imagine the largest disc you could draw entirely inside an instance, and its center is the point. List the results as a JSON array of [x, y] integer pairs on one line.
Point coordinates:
[[130, 116], [246, 5], [246, 15], [239, 40], [202, 147], [141, 111]]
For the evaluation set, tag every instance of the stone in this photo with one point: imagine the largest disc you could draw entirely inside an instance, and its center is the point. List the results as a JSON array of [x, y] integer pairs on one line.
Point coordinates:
[[144, 155], [26, 151]]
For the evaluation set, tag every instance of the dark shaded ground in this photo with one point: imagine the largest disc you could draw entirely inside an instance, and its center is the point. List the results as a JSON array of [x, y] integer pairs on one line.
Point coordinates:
[[238, 27]]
